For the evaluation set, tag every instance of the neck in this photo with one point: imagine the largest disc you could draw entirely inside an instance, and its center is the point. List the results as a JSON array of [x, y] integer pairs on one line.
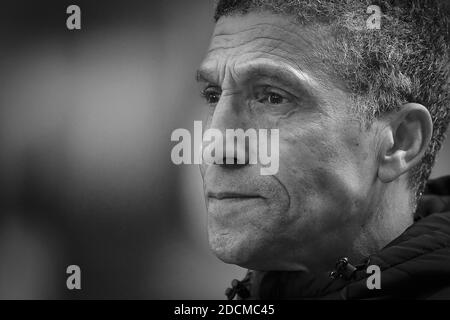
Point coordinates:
[[391, 216]]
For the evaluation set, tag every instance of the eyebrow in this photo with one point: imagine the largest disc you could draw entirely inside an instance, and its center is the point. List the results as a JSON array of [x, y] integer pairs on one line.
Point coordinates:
[[280, 72], [203, 75]]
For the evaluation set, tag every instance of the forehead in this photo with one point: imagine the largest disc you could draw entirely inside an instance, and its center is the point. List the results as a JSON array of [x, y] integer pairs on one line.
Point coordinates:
[[239, 40], [236, 30]]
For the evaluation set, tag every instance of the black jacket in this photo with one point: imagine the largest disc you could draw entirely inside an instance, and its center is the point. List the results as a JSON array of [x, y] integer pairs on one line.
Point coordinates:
[[416, 265]]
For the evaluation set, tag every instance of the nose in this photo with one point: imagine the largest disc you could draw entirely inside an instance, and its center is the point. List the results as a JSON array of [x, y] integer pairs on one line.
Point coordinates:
[[224, 137]]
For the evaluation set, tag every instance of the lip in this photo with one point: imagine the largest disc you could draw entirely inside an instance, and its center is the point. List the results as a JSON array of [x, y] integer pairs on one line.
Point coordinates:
[[232, 195]]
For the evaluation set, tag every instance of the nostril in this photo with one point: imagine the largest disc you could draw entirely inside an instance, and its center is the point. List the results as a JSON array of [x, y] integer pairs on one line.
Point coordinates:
[[234, 162]]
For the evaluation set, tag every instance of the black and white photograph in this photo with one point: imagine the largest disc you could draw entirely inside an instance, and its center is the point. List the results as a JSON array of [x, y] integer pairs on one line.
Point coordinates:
[[238, 153]]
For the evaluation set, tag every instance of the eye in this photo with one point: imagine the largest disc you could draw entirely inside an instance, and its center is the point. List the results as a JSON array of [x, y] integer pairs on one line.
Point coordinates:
[[275, 98], [271, 96], [211, 94]]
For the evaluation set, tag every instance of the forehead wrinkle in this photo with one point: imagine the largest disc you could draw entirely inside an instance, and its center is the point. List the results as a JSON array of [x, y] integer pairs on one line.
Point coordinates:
[[302, 51], [225, 34], [269, 26], [266, 50], [262, 60], [293, 29], [212, 49], [228, 41]]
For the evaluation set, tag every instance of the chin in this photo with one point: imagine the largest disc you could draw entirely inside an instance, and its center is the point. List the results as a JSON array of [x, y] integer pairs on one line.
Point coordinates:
[[231, 249]]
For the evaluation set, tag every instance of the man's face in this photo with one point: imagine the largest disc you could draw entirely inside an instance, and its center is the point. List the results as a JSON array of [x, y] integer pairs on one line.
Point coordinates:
[[263, 71]]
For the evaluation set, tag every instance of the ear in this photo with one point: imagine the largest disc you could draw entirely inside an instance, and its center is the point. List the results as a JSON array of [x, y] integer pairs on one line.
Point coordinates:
[[404, 140]]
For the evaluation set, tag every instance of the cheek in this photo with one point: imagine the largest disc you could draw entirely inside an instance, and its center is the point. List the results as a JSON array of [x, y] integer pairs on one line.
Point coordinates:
[[322, 174]]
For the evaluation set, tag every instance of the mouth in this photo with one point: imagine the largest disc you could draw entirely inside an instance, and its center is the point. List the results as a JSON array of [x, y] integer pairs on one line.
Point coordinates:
[[232, 195], [224, 205]]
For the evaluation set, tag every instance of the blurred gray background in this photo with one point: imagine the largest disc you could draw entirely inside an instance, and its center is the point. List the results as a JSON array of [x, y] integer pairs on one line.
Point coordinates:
[[85, 171]]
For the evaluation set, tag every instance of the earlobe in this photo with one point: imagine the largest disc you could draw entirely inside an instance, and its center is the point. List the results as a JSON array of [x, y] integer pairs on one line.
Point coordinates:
[[404, 141]]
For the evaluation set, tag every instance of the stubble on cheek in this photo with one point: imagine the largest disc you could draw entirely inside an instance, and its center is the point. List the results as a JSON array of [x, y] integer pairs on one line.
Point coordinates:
[[312, 168]]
